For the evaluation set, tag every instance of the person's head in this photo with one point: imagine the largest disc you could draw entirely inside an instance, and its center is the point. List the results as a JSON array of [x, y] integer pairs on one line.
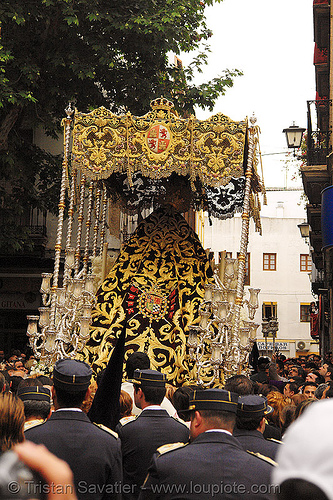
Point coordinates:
[[11, 421], [36, 400], [276, 400], [309, 389], [149, 387], [320, 390], [137, 361], [240, 384], [126, 404], [296, 371], [304, 405], [251, 412], [305, 455], [315, 377], [300, 489], [290, 389], [263, 363], [280, 367], [212, 409], [326, 370], [287, 416], [71, 380], [328, 390], [180, 400]]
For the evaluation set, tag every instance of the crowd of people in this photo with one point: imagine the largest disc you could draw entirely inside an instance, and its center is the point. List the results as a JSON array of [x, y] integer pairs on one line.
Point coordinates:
[[241, 440]]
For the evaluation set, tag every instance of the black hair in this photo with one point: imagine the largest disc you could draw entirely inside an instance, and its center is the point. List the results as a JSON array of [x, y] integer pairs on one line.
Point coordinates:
[[69, 399], [293, 387], [300, 489], [153, 395], [38, 409], [218, 418], [249, 423], [181, 399], [240, 384], [137, 361]]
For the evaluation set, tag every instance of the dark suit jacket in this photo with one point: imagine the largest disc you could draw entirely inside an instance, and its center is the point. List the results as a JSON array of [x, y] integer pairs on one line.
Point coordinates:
[[214, 465], [93, 454], [140, 439], [255, 441]]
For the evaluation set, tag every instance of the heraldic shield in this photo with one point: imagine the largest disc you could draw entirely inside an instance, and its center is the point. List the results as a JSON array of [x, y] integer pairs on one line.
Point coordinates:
[[155, 288]]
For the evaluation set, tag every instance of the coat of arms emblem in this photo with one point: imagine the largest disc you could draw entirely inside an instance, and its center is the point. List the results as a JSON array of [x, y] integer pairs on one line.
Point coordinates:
[[158, 138]]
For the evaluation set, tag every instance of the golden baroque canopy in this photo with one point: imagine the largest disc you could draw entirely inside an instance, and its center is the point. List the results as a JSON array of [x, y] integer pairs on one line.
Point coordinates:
[[159, 144]]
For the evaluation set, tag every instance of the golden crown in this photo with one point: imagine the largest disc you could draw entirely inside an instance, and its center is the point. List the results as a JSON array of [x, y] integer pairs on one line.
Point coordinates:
[[161, 103]]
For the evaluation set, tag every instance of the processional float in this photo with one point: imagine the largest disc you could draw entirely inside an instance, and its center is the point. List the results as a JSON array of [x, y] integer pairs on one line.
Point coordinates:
[[178, 306]]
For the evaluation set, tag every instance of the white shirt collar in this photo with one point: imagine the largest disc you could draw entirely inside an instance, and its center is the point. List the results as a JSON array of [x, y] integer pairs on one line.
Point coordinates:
[[152, 407], [69, 409], [219, 430]]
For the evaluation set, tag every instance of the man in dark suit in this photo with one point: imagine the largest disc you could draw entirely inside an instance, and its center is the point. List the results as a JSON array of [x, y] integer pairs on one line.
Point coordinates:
[[250, 426], [214, 463], [93, 453], [141, 436]]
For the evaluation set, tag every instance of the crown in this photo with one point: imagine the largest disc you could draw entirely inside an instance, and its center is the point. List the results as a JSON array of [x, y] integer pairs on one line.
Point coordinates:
[[161, 103]]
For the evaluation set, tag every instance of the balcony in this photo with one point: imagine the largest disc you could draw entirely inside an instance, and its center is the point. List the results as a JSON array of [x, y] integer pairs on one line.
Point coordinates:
[[318, 139], [320, 55]]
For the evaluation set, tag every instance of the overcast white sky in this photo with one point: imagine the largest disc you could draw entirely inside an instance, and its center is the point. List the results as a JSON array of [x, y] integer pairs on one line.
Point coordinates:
[[272, 43]]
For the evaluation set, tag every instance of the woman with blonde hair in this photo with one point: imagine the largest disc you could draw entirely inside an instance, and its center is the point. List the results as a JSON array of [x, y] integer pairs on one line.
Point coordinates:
[[11, 421], [276, 400], [126, 404]]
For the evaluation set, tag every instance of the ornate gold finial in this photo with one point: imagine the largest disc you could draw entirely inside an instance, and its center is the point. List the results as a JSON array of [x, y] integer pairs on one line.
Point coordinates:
[[253, 119], [161, 103], [69, 110]]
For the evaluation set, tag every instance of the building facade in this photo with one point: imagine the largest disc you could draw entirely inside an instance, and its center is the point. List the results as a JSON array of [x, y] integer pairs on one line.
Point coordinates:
[[279, 264], [317, 170]]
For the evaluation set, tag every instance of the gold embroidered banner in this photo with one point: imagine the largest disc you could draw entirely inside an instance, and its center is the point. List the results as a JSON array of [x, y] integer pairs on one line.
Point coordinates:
[[159, 144]]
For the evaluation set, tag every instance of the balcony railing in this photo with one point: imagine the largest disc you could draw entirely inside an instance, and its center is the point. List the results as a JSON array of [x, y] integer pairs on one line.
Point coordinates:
[[318, 139]]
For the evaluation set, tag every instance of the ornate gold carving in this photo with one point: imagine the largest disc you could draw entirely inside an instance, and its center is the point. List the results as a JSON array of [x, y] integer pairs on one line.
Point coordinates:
[[158, 144]]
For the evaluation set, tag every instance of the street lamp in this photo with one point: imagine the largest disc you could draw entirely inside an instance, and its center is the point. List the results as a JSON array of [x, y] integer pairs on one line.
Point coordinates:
[[294, 136], [304, 230]]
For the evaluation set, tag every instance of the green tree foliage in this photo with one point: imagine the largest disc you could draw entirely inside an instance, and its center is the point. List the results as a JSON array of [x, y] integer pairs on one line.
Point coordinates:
[[103, 52]]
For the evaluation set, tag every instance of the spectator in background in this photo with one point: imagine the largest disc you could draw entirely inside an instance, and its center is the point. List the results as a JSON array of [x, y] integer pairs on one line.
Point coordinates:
[[326, 370], [11, 421], [126, 405], [303, 406], [240, 384], [315, 377], [290, 389], [287, 416], [309, 389], [328, 391], [296, 371], [320, 390], [262, 375], [276, 400]]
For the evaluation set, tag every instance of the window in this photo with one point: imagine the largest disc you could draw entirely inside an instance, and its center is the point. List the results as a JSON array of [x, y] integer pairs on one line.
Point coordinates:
[[304, 313], [305, 263], [269, 311], [247, 269], [269, 262], [228, 255]]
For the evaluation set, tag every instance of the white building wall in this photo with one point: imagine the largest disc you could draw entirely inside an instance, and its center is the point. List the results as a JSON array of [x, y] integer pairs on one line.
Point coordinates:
[[287, 286]]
